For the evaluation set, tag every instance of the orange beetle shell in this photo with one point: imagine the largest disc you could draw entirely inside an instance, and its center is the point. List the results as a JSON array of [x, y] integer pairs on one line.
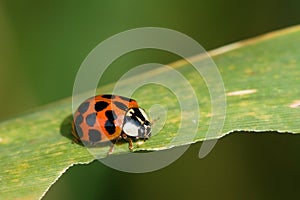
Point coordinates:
[[100, 118]]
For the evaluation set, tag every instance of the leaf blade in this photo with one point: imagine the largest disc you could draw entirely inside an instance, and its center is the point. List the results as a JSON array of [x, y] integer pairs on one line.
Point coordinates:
[[36, 148]]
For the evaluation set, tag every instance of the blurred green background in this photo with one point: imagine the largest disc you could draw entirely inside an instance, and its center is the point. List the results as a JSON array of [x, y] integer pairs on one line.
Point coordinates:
[[44, 42]]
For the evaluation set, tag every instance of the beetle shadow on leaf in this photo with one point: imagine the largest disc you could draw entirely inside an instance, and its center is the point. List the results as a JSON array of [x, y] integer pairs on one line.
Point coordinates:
[[66, 129]]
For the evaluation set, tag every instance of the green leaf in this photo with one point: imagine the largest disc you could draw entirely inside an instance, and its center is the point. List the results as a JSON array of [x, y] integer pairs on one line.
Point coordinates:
[[261, 78]]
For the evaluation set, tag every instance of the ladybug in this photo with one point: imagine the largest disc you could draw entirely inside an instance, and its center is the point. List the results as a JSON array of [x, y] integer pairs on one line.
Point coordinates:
[[109, 117]]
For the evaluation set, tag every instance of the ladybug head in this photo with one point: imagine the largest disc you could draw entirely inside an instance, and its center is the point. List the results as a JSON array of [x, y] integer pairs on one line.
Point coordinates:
[[137, 124]]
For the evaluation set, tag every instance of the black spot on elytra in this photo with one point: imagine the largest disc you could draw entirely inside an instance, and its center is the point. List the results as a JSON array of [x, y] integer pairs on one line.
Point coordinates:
[[108, 96], [94, 135], [109, 124], [111, 116], [110, 127], [91, 119], [78, 120], [120, 105], [126, 99], [79, 131], [100, 105], [83, 107]]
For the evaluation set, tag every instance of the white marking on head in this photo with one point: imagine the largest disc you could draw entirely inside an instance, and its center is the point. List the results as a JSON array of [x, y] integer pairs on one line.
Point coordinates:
[[144, 114]]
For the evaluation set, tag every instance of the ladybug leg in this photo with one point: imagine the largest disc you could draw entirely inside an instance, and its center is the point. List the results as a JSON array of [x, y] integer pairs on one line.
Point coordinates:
[[128, 139], [112, 145], [111, 149], [75, 140]]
